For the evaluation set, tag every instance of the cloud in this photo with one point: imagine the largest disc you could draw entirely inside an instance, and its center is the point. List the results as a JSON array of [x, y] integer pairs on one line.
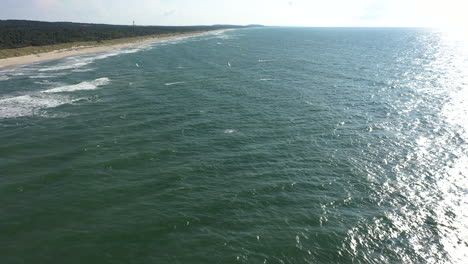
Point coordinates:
[[374, 11], [269, 12], [169, 12], [48, 4]]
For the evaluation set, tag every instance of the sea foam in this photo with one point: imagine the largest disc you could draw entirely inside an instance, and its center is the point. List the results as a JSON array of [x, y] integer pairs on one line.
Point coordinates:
[[28, 105], [174, 83], [35, 103], [67, 65], [80, 61], [81, 86]]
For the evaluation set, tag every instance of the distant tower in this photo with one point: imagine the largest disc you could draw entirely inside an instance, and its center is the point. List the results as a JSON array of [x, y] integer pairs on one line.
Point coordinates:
[[133, 25]]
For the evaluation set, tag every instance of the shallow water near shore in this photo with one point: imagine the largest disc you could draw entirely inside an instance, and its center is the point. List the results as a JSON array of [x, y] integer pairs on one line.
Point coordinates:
[[268, 145]]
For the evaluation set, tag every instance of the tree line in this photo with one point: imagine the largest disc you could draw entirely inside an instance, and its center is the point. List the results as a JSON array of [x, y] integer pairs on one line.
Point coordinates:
[[24, 33]]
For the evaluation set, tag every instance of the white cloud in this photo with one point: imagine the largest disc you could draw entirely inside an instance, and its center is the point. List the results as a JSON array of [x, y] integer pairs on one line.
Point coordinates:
[[270, 12]]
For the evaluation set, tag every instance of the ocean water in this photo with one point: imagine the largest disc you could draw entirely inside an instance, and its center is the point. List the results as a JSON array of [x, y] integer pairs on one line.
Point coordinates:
[[270, 145]]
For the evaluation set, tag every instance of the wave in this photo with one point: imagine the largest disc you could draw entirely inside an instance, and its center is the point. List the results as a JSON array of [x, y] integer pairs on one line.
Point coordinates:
[[77, 62], [81, 86], [46, 82], [224, 35], [34, 104], [29, 105], [67, 65], [82, 70], [174, 83], [45, 76], [134, 50], [18, 74]]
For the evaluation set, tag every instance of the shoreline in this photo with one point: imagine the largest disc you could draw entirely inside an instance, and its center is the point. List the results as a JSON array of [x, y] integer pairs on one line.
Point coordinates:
[[13, 62]]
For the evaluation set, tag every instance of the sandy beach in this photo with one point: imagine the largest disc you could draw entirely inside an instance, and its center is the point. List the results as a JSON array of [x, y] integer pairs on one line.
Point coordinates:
[[80, 50]]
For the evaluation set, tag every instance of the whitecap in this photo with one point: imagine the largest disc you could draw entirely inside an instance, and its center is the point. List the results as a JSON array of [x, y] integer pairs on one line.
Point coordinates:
[[66, 66], [34, 104], [82, 70], [174, 83], [128, 51], [221, 35], [29, 105], [230, 131], [80, 61], [42, 76], [81, 86], [47, 82], [18, 74], [45, 76]]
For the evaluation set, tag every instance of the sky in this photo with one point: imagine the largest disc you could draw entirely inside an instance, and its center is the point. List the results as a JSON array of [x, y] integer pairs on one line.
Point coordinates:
[[363, 13]]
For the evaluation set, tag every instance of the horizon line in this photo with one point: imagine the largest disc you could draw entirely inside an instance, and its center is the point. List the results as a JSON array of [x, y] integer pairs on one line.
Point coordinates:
[[228, 24]]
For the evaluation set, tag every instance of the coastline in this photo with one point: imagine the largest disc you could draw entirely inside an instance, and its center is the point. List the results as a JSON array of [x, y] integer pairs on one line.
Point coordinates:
[[12, 62]]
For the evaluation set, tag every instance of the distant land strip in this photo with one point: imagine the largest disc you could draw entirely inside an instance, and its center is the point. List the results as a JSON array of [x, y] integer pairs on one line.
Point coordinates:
[[23, 37], [29, 55]]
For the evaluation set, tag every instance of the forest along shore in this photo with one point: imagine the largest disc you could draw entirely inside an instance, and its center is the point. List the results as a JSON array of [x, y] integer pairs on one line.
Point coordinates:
[[10, 58], [25, 42]]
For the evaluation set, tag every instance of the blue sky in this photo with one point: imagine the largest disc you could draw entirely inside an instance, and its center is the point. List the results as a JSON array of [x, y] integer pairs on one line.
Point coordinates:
[[431, 13]]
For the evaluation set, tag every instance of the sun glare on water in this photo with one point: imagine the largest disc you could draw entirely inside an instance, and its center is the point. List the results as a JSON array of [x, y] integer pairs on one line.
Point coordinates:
[[454, 60]]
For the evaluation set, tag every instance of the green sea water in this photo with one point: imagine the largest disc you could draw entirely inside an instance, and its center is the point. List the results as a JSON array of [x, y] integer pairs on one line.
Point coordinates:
[[269, 145]]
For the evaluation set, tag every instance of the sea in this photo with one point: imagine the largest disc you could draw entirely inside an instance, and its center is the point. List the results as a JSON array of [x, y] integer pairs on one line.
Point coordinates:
[[259, 145]]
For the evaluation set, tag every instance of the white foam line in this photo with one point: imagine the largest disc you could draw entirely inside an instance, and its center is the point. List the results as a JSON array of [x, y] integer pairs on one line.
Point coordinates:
[[43, 76], [82, 70], [174, 83], [28, 105], [66, 66], [33, 104], [78, 62], [81, 86], [45, 82]]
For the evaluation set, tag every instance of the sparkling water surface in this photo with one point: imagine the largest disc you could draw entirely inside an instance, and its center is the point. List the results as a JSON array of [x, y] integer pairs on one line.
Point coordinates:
[[269, 145]]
